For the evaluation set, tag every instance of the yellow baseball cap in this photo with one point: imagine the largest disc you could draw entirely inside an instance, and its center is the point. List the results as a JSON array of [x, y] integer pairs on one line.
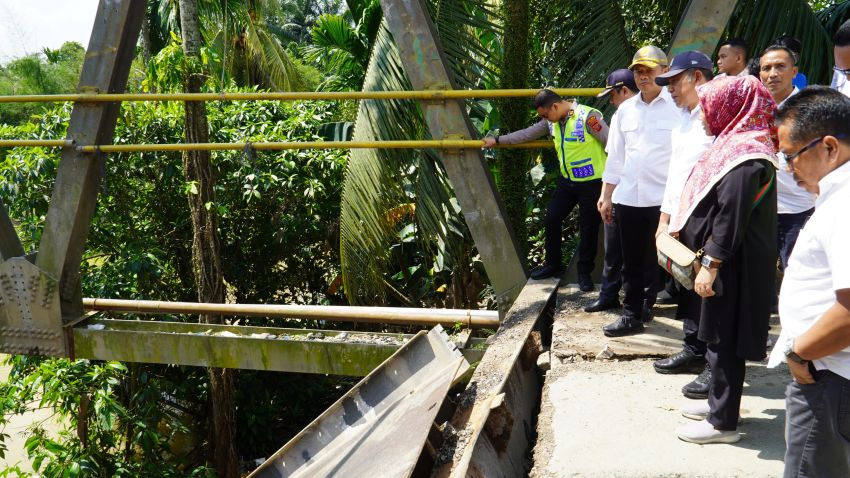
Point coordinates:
[[650, 56]]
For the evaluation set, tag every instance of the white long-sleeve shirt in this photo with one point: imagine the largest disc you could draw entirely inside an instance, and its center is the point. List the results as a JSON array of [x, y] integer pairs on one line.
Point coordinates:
[[840, 83], [790, 198], [689, 142], [639, 149]]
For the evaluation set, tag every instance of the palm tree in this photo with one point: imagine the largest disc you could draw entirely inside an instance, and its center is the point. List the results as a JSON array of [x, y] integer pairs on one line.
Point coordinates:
[[242, 34], [206, 248], [572, 44], [342, 44], [387, 191]]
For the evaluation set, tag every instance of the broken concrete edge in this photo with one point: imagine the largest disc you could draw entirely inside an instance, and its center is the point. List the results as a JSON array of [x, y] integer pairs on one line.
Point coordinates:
[[487, 388]]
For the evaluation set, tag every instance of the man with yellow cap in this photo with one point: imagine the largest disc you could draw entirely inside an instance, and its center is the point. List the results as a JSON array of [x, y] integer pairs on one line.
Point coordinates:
[[633, 184]]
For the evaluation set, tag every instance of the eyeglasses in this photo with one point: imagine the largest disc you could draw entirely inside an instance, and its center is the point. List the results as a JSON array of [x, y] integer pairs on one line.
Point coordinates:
[[843, 71], [789, 159]]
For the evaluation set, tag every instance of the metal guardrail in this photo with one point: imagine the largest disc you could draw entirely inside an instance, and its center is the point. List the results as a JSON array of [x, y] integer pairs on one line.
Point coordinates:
[[295, 95], [469, 318]]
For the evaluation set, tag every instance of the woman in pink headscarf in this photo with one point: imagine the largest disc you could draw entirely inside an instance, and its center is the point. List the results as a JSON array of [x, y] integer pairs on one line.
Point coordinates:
[[728, 211]]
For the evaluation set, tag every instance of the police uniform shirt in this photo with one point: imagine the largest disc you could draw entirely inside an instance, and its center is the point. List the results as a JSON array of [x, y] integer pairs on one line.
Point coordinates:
[[639, 149]]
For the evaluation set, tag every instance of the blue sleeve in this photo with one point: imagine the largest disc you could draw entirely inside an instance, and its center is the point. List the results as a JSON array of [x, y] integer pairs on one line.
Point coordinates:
[[800, 81]]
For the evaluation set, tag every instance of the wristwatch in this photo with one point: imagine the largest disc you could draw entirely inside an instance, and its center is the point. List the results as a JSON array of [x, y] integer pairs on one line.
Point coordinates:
[[791, 355], [710, 262]]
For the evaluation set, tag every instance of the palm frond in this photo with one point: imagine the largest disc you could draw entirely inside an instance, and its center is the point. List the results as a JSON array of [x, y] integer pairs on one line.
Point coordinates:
[[379, 183], [590, 41], [833, 16]]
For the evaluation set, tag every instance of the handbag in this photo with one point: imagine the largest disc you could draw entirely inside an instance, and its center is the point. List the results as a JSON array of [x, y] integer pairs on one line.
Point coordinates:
[[675, 258]]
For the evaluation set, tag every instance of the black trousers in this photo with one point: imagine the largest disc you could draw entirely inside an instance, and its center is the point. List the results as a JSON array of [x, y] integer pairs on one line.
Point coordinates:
[[612, 277], [688, 311], [641, 273], [564, 199], [727, 386]]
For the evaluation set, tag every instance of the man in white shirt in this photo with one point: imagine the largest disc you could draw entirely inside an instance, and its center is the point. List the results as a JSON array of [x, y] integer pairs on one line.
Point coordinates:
[[795, 204], [814, 135], [689, 141], [732, 58], [619, 86], [841, 77], [633, 183]]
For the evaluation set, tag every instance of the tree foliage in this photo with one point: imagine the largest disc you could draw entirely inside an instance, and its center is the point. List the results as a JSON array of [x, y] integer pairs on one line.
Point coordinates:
[[48, 72], [278, 227]]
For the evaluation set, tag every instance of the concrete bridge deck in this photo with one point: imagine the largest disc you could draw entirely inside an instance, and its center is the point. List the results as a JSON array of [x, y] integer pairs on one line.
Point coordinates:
[[616, 417]]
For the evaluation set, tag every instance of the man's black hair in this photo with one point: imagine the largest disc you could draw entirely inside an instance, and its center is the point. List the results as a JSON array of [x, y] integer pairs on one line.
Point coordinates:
[[754, 66], [814, 112], [781, 48], [738, 43], [790, 43], [842, 35], [545, 98]]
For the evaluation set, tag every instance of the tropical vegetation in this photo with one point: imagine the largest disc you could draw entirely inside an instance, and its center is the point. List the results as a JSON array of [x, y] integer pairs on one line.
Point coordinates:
[[378, 227]]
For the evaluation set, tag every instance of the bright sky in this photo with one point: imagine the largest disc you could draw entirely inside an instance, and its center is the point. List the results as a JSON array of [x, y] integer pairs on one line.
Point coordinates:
[[27, 26]]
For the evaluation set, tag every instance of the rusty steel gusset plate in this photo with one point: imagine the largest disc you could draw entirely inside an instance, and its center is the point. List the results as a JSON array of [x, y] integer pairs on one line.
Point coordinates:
[[378, 429], [30, 318]]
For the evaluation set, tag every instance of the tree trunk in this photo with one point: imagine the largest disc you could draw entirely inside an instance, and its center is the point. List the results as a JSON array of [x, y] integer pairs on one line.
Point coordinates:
[[145, 39], [206, 260], [513, 164]]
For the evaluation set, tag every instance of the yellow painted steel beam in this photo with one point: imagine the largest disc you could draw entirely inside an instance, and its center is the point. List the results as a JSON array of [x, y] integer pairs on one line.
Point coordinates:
[[413, 144], [31, 143], [380, 315], [295, 95]]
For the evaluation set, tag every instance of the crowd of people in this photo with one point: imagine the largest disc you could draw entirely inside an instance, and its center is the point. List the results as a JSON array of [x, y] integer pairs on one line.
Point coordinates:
[[748, 168]]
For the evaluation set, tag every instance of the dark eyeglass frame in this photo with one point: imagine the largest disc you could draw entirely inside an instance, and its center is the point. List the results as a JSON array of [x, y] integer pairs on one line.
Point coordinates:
[[789, 159], [843, 71]]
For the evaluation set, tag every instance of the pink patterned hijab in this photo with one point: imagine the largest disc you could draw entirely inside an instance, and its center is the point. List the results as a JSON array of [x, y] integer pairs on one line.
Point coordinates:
[[739, 111]]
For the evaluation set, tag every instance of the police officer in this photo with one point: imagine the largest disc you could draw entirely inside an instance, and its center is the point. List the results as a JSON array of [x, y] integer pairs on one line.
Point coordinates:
[[579, 133]]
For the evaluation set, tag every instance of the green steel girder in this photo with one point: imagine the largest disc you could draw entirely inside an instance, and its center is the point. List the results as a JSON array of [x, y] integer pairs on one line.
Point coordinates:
[[244, 347], [701, 26]]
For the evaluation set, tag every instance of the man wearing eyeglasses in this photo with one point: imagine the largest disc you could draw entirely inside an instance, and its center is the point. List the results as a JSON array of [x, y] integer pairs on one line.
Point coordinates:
[[814, 303], [795, 204], [841, 78], [580, 134]]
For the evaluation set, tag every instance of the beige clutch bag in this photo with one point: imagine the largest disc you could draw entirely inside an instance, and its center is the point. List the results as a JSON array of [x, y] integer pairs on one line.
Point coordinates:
[[675, 258]]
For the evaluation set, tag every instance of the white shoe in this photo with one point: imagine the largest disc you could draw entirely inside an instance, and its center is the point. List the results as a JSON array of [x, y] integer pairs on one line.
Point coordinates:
[[703, 433], [696, 410]]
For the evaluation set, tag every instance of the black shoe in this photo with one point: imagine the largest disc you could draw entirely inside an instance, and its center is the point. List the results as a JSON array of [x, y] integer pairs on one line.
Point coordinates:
[[682, 362], [601, 305], [646, 314], [698, 389], [665, 298], [546, 270], [623, 326], [585, 283]]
